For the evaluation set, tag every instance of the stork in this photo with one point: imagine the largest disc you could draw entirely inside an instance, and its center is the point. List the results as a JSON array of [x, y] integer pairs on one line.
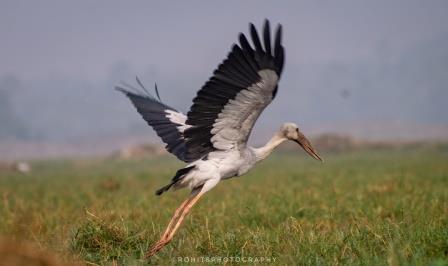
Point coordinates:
[[212, 137]]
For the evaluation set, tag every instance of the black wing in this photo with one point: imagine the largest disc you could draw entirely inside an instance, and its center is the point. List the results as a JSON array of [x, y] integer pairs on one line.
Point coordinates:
[[227, 106], [168, 123]]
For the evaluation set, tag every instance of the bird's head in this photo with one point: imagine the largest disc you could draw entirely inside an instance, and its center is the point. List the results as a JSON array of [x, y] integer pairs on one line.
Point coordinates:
[[292, 132]]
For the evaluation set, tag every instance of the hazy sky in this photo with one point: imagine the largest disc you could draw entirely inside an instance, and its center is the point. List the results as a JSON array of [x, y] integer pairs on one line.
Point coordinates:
[[370, 68]]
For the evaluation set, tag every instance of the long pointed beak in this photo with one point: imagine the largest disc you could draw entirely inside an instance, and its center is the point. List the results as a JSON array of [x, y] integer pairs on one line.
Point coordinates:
[[306, 145]]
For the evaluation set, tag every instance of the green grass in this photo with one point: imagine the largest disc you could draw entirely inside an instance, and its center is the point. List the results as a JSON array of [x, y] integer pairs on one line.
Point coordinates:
[[362, 208]]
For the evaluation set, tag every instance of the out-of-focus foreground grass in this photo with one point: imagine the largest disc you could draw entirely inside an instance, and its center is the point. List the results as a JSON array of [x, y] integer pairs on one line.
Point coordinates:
[[370, 208]]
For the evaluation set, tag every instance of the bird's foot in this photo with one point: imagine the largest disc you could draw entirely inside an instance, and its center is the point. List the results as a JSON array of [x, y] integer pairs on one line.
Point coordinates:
[[157, 246]]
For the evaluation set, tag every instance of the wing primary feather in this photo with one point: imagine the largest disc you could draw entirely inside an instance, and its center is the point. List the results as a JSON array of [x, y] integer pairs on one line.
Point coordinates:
[[230, 81], [231, 68], [267, 38], [157, 91], [237, 61], [125, 87], [248, 52], [278, 40], [279, 60], [244, 43], [278, 49], [141, 85], [255, 38], [239, 56]]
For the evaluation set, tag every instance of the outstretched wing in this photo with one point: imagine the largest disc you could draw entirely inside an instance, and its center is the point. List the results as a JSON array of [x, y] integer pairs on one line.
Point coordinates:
[[168, 123], [227, 106]]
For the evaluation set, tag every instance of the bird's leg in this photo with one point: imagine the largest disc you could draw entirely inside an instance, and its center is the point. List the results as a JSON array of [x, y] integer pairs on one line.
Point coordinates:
[[159, 244], [183, 214], [178, 216], [175, 217]]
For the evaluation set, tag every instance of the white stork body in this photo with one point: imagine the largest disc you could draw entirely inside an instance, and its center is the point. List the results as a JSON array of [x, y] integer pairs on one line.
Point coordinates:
[[219, 165], [227, 164], [212, 137]]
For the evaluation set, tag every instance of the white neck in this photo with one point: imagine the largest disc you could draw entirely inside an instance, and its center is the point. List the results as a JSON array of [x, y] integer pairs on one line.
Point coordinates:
[[263, 152]]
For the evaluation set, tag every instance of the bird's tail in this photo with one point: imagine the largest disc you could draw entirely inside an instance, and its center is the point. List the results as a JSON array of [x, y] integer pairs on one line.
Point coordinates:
[[164, 188], [181, 173]]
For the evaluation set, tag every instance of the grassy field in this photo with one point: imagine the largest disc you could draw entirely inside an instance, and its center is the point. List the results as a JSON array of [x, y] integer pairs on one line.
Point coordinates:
[[362, 208]]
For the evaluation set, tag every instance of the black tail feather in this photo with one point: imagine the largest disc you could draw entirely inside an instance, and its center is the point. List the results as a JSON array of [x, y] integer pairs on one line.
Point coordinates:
[[178, 176], [164, 189]]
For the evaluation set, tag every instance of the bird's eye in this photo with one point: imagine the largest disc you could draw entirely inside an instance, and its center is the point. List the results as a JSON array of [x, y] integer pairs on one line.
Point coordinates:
[[297, 130]]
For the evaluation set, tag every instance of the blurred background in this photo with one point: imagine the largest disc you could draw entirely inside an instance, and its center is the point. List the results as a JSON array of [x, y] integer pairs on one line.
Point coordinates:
[[366, 81], [365, 70]]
